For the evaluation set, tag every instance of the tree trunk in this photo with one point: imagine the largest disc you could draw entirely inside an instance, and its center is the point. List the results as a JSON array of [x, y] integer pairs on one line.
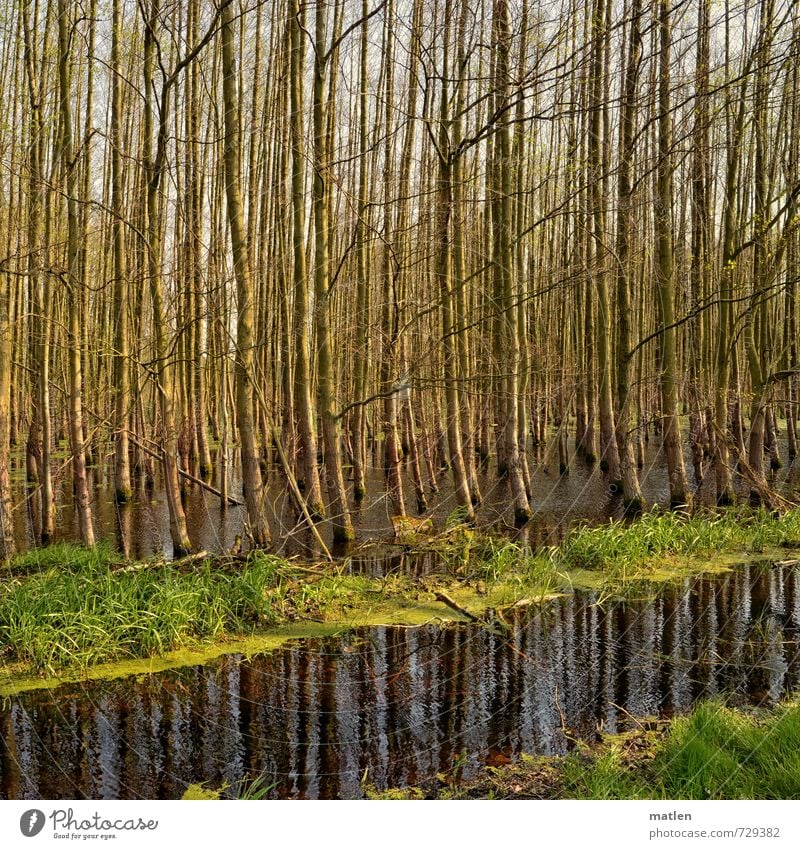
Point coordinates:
[[339, 511], [245, 353], [665, 279], [74, 282]]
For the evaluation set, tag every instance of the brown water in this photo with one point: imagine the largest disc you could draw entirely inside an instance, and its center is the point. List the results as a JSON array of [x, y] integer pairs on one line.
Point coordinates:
[[394, 706], [141, 528]]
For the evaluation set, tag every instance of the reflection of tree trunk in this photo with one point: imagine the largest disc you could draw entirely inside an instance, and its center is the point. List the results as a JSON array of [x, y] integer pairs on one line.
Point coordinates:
[[245, 342]]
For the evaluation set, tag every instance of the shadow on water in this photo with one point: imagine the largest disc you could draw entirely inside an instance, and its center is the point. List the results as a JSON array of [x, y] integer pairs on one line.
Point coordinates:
[[398, 705]]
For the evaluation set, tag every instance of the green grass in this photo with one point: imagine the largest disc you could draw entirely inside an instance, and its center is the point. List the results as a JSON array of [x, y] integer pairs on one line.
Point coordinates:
[[63, 556], [621, 554], [659, 534], [64, 605], [716, 752], [77, 609]]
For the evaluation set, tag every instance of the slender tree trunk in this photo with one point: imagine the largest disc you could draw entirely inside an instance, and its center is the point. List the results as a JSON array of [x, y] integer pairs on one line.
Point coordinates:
[[165, 367], [631, 491], [245, 340], [388, 372], [665, 278], [361, 365], [302, 347], [122, 375], [339, 511], [609, 457], [503, 262], [75, 279], [7, 546]]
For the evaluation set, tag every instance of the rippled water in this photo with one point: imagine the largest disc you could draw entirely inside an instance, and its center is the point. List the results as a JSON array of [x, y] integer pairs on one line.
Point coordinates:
[[393, 706]]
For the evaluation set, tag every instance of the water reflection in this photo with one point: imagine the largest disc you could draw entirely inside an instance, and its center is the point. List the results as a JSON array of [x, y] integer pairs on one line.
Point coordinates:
[[141, 528], [397, 705]]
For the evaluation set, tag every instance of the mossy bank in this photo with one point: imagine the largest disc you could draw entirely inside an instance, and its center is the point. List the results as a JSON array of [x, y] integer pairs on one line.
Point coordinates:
[[68, 612]]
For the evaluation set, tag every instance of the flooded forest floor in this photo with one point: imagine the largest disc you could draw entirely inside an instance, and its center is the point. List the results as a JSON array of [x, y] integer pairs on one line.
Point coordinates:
[[646, 659], [716, 752], [68, 612]]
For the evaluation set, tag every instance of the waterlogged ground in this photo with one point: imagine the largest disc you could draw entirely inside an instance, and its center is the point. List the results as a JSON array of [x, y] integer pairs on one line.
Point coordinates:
[[141, 528], [393, 706]]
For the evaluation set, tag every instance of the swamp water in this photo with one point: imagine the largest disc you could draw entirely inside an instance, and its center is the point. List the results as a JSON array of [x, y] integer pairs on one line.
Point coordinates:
[[391, 706], [140, 528]]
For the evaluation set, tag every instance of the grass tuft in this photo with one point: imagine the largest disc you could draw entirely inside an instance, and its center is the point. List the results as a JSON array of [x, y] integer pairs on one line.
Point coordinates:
[[716, 752], [77, 610], [621, 554]]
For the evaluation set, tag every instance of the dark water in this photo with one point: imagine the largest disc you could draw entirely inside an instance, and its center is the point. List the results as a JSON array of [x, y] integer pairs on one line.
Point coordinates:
[[398, 705], [141, 528]]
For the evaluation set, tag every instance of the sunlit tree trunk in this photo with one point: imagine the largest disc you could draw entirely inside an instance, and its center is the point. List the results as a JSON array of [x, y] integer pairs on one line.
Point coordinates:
[[444, 214], [7, 545], [388, 373], [245, 356], [609, 457], [74, 280], [164, 368], [339, 511], [361, 364], [122, 374], [664, 272], [701, 226], [38, 446], [302, 347], [503, 261], [625, 396]]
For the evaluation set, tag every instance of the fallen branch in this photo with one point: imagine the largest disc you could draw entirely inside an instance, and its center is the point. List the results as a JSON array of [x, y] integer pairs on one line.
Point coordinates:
[[184, 474], [454, 605]]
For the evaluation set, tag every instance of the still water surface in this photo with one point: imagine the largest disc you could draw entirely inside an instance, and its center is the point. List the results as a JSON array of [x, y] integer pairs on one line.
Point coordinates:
[[141, 528], [394, 706]]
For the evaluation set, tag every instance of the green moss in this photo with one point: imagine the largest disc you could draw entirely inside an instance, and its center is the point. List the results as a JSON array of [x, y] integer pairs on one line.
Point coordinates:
[[198, 793], [393, 794], [68, 608]]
